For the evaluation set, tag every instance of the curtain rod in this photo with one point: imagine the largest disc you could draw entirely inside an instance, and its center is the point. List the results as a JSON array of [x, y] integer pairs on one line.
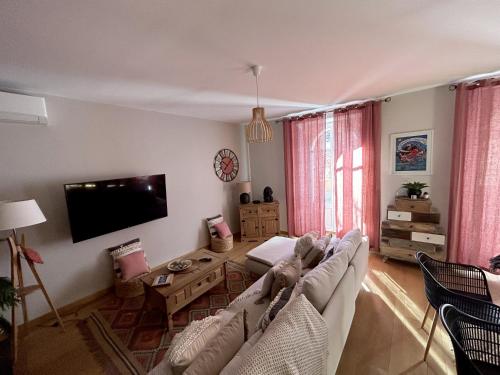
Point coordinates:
[[452, 86], [330, 108], [475, 82]]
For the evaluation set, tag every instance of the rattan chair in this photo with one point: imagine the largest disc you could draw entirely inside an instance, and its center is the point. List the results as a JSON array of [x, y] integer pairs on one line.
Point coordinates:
[[476, 342], [460, 285]]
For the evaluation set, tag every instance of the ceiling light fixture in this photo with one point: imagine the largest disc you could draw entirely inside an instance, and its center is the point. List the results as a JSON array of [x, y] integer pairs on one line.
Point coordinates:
[[258, 130]]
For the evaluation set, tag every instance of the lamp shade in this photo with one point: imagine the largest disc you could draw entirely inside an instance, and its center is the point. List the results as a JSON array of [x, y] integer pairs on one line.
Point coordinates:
[[18, 214], [245, 187], [259, 130]]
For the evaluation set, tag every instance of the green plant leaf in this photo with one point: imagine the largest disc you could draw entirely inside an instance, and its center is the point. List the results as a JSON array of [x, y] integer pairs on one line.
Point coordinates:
[[8, 297]]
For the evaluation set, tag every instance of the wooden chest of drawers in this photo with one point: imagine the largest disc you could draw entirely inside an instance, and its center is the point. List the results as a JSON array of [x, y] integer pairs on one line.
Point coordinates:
[[259, 221], [412, 226]]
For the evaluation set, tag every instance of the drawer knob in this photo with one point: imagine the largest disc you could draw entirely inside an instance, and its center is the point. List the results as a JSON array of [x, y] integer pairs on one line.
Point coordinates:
[[399, 215], [199, 284], [428, 238]]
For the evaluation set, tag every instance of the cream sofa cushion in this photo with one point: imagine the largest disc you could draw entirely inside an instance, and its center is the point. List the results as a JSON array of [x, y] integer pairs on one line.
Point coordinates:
[[319, 284], [273, 250], [350, 243], [220, 349], [187, 344], [235, 363]]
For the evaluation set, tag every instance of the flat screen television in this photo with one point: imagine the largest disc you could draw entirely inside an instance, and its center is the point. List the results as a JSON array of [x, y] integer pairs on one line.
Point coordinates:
[[99, 207]]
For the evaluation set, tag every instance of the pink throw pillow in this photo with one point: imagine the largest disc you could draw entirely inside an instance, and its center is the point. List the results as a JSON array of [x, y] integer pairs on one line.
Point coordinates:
[[222, 230], [132, 265], [32, 255]]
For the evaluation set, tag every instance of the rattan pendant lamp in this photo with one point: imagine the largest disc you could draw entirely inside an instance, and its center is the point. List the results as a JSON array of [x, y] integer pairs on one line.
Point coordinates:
[[258, 130]]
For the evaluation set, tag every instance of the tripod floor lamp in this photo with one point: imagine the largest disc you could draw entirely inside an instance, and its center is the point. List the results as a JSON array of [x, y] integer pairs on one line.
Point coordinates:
[[14, 215]]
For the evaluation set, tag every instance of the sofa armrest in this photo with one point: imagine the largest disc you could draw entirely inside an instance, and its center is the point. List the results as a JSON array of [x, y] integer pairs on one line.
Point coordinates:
[[338, 315]]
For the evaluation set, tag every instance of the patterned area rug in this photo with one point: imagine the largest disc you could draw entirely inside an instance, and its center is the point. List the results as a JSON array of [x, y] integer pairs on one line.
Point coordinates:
[[128, 339]]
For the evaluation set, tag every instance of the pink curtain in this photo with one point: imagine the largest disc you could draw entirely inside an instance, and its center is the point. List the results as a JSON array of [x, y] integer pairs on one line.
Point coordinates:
[[474, 213], [305, 174], [357, 170]]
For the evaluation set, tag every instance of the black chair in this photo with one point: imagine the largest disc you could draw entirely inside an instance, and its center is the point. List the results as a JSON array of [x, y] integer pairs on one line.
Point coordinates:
[[476, 342], [460, 285]]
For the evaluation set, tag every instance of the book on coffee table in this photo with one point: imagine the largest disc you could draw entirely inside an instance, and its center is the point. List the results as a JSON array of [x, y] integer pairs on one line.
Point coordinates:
[[163, 280]]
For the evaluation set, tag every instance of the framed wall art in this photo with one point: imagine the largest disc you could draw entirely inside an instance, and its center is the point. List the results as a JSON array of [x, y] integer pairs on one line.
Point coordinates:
[[411, 153]]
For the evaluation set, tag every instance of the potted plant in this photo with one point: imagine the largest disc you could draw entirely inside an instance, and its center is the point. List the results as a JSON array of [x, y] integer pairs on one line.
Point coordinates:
[[415, 188], [8, 298]]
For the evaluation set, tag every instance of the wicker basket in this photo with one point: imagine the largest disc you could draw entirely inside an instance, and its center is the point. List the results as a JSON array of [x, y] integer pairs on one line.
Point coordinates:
[[129, 289], [221, 245]]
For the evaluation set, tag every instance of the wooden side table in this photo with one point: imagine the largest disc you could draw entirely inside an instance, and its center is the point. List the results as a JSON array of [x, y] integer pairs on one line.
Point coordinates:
[[187, 286]]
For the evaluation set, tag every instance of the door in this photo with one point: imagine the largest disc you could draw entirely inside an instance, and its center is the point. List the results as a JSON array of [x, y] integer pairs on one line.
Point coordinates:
[[249, 228], [270, 226]]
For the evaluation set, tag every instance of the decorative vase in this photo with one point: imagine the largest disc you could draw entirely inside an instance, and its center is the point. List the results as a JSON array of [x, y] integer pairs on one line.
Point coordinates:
[[244, 198]]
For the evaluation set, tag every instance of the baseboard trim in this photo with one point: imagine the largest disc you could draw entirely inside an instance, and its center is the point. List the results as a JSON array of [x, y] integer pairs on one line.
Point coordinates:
[[68, 309]]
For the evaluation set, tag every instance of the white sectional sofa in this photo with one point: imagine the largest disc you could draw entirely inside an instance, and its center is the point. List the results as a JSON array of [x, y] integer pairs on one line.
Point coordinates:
[[337, 314]]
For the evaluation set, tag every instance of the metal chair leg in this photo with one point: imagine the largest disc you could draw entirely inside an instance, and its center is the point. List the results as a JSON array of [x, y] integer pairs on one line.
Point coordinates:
[[425, 315], [434, 322]]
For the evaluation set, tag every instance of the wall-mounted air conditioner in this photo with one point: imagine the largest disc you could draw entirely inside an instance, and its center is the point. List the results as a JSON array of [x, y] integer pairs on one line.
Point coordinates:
[[22, 109]]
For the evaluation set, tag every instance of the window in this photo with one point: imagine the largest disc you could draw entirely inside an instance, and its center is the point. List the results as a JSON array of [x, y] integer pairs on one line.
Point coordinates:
[[334, 178], [329, 178]]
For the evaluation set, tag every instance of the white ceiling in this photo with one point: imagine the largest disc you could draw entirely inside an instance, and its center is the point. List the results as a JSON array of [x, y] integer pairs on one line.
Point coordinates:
[[190, 57]]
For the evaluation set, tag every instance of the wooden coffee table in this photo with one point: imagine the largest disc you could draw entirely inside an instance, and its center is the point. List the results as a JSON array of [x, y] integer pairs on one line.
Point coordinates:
[[187, 286]]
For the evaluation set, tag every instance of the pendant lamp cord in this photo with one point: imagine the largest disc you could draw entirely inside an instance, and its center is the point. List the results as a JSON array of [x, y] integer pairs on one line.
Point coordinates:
[[257, 85]]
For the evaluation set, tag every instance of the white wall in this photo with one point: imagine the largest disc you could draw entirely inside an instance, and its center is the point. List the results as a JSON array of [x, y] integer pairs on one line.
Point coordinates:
[[87, 141], [426, 109], [267, 166]]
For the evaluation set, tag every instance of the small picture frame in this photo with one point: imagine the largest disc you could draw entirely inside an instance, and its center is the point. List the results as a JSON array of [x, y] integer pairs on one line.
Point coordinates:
[[411, 153], [163, 280]]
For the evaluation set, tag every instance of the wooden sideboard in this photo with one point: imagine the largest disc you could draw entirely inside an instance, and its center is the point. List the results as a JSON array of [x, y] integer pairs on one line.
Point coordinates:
[[259, 221], [412, 226]]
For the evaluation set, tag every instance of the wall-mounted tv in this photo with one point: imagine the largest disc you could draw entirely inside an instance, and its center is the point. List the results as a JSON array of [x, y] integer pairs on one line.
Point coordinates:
[[99, 207]]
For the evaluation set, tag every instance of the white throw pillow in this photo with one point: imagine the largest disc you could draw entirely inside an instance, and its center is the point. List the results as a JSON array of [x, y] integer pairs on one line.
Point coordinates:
[[296, 342], [350, 243], [187, 344], [319, 284]]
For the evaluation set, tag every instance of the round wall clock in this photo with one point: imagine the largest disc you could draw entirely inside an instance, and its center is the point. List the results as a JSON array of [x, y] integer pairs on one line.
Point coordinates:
[[226, 165]]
